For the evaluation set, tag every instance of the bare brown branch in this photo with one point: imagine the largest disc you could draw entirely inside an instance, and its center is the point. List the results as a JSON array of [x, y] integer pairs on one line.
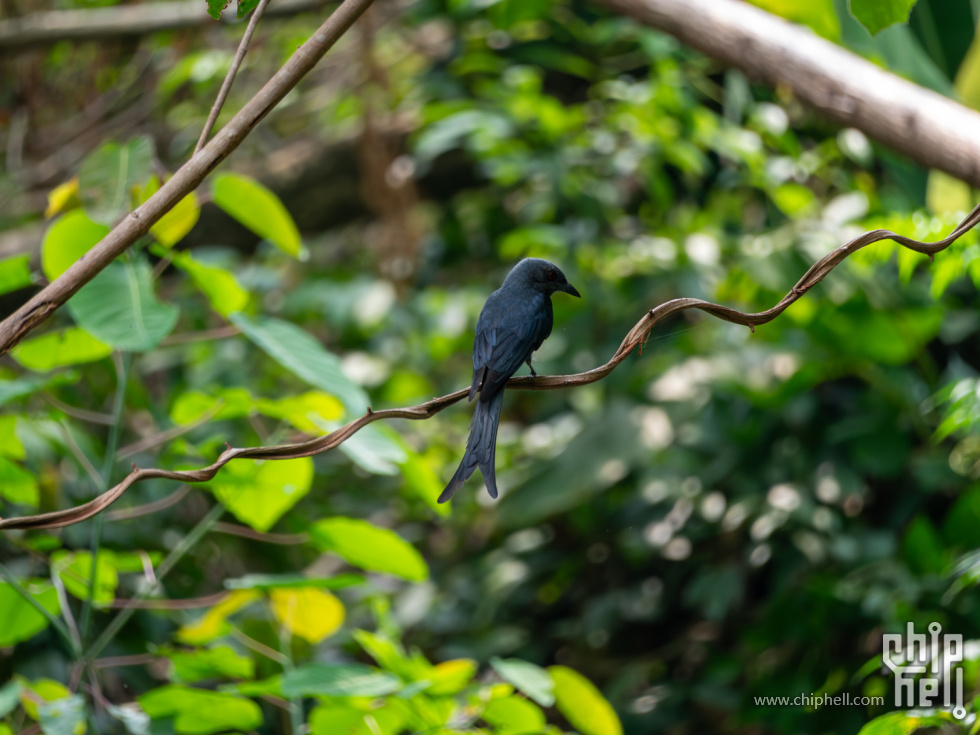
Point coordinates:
[[635, 338], [185, 180]]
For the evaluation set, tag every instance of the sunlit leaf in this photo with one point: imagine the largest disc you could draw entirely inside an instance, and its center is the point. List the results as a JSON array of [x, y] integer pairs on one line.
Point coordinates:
[[10, 445], [119, 308], [71, 346], [514, 716], [109, 176], [176, 223], [302, 355], [307, 612], [450, 677], [229, 403], [21, 620], [366, 546], [582, 704], [259, 493], [819, 15], [220, 287], [62, 198], [259, 210], [213, 623], [311, 412], [15, 273], [199, 712], [342, 719], [67, 239]]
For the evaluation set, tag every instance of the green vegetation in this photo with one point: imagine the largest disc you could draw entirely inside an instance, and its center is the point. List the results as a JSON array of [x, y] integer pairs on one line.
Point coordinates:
[[728, 515]]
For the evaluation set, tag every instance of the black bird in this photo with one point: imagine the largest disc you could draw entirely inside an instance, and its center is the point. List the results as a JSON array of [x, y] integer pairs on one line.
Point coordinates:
[[514, 322]]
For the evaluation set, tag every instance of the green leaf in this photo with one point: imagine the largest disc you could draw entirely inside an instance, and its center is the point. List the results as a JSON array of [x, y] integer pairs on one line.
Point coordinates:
[[21, 620], [876, 15], [338, 680], [75, 571], [904, 723], [199, 712], [286, 581], [219, 286], [246, 6], [67, 240], [532, 680], [230, 403], [216, 6], [209, 663], [819, 15], [311, 412], [15, 273], [259, 210], [13, 389], [109, 176], [17, 485], [303, 356], [514, 716], [65, 716], [582, 704], [366, 546], [376, 449], [118, 307], [213, 624], [10, 697], [259, 493], [10, 445], [341, 719], [71, 346]]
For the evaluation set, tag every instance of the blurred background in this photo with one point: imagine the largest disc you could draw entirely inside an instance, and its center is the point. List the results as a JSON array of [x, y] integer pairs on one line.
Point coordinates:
[[728, 515]]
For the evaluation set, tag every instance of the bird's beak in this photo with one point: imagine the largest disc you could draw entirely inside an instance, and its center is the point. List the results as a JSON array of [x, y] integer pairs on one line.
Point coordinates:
[[570, 289]]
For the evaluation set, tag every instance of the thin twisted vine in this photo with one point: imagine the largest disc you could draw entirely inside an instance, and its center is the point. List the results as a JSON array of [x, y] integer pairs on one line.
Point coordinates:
[[635, 338]]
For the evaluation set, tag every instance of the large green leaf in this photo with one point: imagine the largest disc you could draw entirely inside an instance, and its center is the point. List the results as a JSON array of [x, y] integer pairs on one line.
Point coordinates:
[[21, 620], [336, 718], [819, 15], [259, 210], [199, 712], [338, 680], [218, 285], [118, 307], [71, 346], [17, 484], [302, 355], [67, 240], [582, 704], [109, 176], [259, 493], [876, 15], [369, 547]]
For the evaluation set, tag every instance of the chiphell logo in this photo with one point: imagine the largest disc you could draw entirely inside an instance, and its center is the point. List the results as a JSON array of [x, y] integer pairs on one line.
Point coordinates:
[[925, 668]]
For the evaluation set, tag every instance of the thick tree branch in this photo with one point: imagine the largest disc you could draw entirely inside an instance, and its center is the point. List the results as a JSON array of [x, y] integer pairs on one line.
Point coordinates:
[[635, 338], [119, 21], [187, 178], [932, 130]]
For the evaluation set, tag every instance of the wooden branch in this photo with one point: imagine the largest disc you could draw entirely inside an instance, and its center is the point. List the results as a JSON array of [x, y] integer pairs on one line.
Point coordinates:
[[119, 21], [15, 327], [635, 338], [932, 130]]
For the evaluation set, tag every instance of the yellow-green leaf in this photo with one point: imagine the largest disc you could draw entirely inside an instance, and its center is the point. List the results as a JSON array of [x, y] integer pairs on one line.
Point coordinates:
[[220, 287], [10, 445], [75, 570], [310, 412], [307, 612], [451, 677], [15, 273], [214, 622], [17, 484], [21, 620], [71, 346], [200, 712], [62, 198], [369, 547], [259, 210], [229, 403], [582, 704], [259, 493], [67, 240]]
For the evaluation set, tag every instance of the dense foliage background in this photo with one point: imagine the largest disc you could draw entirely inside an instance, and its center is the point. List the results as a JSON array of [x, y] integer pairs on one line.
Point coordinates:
[[728, 515]]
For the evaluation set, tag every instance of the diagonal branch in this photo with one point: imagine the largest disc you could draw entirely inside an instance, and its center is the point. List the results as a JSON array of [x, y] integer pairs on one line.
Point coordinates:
[[187, 178], [635, 338]]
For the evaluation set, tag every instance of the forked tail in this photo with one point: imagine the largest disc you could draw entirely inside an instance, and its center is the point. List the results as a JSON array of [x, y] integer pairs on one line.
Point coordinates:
[[481, 448]]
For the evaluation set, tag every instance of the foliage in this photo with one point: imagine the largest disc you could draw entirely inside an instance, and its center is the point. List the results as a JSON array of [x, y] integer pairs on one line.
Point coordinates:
[[729, 515]]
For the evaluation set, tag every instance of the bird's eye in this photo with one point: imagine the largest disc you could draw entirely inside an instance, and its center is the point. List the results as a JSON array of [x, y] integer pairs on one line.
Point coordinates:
[[551, 275]]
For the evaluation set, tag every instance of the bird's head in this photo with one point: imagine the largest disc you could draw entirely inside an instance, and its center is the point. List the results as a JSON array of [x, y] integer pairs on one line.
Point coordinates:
[[541, 276]]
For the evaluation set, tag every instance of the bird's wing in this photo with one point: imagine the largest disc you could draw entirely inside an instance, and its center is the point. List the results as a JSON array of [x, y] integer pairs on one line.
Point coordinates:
[[500, 350]]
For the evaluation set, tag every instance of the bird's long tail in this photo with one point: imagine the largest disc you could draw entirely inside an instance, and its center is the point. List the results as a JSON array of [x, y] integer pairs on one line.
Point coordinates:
[[481, 448]]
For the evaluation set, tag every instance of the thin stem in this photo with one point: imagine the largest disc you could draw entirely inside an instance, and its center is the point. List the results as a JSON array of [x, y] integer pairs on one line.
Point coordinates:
[[185, 545], [230, 76], [124, 362], [259, 647], [66, 610], [55, 621]]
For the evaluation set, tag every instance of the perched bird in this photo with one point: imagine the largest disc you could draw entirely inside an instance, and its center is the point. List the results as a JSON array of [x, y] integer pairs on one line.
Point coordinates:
[[514, 322]]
